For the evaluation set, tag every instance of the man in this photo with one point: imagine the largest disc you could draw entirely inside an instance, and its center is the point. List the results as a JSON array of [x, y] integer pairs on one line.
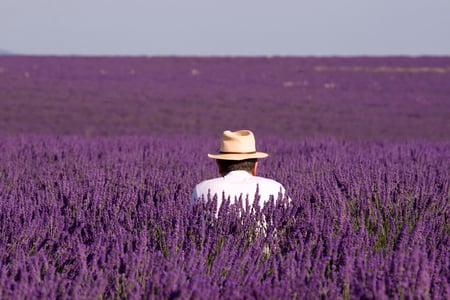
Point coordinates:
[[237, 163]]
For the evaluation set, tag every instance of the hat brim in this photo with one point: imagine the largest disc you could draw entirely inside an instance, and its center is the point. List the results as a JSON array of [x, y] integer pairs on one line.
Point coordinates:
[[238, 156]]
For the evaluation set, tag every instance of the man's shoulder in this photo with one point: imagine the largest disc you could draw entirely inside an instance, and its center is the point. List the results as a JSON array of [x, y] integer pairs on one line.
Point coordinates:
[[209, 182], [265, 180]]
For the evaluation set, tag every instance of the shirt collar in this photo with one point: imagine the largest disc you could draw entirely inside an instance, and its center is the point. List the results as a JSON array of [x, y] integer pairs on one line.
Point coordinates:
[[238, 174]]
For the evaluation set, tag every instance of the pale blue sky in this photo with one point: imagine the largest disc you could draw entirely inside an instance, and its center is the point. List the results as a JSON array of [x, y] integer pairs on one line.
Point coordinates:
[[227, 27]]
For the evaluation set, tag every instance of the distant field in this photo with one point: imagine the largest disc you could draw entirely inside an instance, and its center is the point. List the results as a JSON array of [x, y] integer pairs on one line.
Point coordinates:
[[350, 98], [99, 157]]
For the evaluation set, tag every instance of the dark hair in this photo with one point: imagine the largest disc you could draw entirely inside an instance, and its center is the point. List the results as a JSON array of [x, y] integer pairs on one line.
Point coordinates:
[[226, 166]]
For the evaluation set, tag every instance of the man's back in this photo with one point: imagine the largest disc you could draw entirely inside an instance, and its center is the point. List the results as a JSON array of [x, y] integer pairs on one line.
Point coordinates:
[[236, 184]]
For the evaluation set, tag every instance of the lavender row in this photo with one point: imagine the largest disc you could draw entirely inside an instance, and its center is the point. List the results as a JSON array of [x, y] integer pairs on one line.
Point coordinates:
[[352, 98], [110, 218]]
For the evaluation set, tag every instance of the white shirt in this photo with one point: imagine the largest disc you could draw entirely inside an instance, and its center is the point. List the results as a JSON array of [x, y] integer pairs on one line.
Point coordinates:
[[235, 184]]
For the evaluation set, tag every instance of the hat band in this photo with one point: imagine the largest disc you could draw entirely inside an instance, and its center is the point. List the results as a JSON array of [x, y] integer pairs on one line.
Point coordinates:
[[223, 152]]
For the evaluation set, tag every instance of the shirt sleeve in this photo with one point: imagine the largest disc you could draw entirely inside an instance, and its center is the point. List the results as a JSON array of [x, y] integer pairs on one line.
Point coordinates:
[[194, 196], [284, 194]]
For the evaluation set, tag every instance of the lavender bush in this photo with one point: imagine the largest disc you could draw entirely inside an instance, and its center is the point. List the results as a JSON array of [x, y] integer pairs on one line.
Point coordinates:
[[110, 218]]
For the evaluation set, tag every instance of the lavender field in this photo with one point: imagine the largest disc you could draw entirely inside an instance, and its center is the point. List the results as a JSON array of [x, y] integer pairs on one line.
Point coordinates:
[[99, 157]]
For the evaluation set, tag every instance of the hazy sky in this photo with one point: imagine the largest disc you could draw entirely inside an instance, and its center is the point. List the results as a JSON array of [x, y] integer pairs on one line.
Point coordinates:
[[227, 27]]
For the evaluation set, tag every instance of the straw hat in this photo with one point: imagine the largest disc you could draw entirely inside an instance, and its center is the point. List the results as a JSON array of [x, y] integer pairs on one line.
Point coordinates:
[[238, 145]]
